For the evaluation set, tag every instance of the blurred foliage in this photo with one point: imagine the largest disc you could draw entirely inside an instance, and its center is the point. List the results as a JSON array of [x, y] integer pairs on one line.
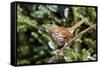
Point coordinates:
[[34, 42]]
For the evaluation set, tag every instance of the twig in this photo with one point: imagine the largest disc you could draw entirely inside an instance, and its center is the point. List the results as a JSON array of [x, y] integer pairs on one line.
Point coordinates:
[[72, 29], [67, 44], [87, 21]]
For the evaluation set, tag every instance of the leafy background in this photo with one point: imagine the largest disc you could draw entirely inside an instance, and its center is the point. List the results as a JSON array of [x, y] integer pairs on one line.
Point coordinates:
[[34, 42]]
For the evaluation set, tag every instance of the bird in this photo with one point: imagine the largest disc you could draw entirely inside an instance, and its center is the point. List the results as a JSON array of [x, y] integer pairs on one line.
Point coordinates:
[[62, 35]]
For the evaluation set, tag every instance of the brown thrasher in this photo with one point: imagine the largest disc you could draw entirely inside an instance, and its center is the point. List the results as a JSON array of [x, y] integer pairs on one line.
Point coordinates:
[[62, 35]]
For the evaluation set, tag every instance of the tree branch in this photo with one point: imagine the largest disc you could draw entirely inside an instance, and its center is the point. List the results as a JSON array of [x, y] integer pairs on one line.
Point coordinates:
[[67, 43]]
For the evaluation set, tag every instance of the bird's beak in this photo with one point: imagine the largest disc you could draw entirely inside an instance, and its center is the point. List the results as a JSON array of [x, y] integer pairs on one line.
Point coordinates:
[[46, 27]]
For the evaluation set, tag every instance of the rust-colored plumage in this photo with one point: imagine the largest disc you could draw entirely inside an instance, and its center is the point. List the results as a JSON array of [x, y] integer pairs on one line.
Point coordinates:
[[62, 35]]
